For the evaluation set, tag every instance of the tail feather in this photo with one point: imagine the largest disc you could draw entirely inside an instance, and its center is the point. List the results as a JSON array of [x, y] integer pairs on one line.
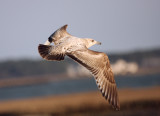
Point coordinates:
[[45, 52]]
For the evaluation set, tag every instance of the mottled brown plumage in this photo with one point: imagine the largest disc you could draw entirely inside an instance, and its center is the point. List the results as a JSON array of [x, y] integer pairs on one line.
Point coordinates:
[[77, 49]]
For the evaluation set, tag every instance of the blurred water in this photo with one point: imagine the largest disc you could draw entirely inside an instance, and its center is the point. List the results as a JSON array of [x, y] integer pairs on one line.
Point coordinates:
[[74, 86]]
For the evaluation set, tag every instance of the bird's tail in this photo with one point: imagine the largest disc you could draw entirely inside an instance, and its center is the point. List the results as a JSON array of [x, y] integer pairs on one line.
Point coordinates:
[[44, 50]]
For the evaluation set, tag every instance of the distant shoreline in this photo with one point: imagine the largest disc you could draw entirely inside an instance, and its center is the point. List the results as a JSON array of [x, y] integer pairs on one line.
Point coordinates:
[[30, 80]]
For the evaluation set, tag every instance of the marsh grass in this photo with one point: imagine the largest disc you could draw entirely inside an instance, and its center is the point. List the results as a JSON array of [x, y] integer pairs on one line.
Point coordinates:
[[134, 102]]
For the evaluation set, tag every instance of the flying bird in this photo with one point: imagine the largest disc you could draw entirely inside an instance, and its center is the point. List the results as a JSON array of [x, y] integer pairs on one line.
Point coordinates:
[[77, 49]]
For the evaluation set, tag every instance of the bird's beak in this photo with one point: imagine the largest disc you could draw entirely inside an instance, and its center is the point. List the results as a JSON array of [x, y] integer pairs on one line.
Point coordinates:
[[99, 43]]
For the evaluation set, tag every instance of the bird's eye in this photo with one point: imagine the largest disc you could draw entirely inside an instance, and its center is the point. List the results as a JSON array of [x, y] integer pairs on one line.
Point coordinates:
[[92, 40]]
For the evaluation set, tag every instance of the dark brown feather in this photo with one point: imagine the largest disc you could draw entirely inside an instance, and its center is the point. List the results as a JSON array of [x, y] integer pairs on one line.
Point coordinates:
[[46, 52]]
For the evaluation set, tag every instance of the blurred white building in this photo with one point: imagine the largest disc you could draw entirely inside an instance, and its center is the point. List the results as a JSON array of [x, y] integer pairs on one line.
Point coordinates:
[[121, 67], [74, 71]]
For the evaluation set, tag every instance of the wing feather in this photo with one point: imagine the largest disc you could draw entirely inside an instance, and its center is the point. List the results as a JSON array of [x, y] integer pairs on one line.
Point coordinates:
[[59, 35], [98, 64]]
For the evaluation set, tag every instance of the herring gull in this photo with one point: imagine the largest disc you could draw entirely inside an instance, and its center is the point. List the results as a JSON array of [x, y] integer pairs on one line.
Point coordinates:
[[77, 49]]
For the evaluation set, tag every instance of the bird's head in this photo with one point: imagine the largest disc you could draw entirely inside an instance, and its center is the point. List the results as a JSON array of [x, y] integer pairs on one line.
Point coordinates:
[[91, 42]]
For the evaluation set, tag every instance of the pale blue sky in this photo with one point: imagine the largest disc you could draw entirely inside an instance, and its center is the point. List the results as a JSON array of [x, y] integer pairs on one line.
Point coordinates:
[[121, 25]]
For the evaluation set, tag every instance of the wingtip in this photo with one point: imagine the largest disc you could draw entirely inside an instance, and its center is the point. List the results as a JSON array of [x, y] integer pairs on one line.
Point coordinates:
[[118, 108], [64, 27]]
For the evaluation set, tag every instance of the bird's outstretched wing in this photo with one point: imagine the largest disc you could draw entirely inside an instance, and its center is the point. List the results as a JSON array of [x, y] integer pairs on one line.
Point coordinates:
[[59, 35], [98, 64], [49, 52]]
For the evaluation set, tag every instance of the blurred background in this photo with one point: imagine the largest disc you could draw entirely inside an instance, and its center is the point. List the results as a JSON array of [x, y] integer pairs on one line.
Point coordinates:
[[130, 34]]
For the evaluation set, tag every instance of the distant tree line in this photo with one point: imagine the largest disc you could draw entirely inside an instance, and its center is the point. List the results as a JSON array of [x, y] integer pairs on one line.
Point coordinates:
[[19, 68], [30, 68]]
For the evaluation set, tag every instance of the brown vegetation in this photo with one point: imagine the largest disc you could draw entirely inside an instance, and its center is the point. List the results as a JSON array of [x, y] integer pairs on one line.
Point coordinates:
[[133, 102]]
